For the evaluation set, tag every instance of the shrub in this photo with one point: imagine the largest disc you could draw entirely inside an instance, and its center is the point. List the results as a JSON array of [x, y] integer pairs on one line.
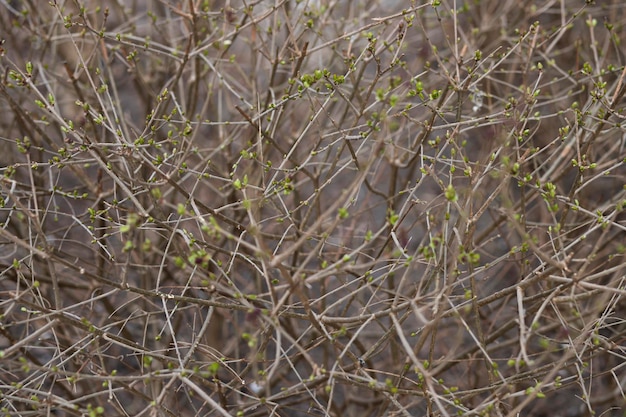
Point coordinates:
[[312, 208]]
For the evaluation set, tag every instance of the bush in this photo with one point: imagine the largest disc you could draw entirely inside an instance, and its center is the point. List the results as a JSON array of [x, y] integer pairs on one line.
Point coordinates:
[[312, 208]]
